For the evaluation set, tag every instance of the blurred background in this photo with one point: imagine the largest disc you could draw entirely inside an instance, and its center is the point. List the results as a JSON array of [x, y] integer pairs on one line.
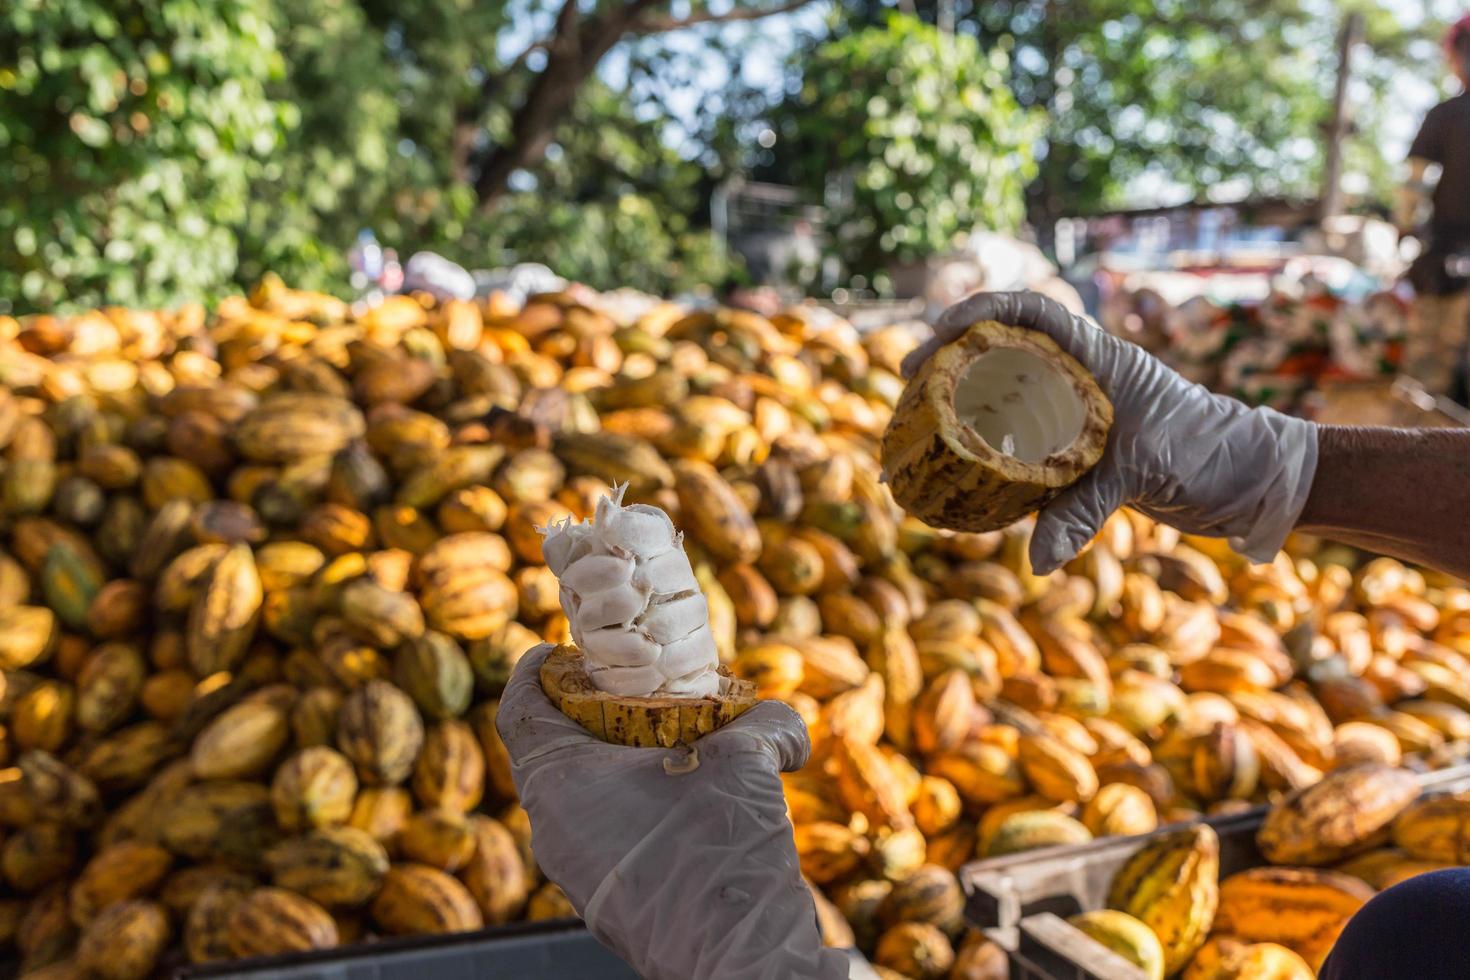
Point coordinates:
[[1129, 155]]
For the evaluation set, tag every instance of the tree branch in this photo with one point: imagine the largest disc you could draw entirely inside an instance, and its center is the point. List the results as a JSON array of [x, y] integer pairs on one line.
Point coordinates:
[[572, 53], [659, 25], [571, 58]]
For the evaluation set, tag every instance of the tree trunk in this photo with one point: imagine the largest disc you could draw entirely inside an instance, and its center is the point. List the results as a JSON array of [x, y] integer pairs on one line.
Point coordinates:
[[571, 58], [572, 55], [1046, 204], [1330, 203]]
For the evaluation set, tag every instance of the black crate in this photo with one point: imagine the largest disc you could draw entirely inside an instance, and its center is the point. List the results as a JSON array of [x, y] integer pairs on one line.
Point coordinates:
[[1021, 900], [557, 950], [554, 950]]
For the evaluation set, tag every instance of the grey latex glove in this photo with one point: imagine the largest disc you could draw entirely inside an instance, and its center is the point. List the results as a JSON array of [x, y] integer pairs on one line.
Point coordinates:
[[684, 870], [1201, 462]]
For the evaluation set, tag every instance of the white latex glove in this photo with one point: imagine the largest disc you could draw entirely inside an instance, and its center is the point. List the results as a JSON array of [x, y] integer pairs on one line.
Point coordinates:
[[1203, 463], [685, 870]]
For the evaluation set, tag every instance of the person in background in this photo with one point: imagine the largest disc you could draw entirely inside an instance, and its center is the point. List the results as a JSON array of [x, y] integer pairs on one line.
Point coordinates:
[[1435, 355], [690, 871]]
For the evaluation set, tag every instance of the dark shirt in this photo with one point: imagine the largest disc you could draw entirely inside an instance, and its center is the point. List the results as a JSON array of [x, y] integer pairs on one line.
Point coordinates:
[[1415, 929], [1445, 139]]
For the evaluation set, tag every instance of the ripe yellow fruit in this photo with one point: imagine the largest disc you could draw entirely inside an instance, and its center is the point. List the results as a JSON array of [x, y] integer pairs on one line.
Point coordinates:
[[1171, 885], [1126, 936]]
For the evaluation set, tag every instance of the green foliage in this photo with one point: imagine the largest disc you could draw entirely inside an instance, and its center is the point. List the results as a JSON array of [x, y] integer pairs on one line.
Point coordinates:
[[608, 244], [926, 138], [1151, 100], [338, 160], [376, 87], [156, 151], [1166, 92], [383, 89], [129, 133], [612, 206], [153, 151]]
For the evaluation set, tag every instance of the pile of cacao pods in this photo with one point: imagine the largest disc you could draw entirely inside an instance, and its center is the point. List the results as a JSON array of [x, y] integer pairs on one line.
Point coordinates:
[[265, 571], [1330, 848]]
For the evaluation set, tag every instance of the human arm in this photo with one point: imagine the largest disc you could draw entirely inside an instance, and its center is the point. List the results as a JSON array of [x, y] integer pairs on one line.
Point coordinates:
[[1411, 196], [1427, 148], [681, 861], [1400, 492]]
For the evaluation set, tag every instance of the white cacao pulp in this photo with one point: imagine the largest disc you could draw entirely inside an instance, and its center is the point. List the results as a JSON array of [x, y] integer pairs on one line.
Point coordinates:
[[634, 606], [1019, 404]]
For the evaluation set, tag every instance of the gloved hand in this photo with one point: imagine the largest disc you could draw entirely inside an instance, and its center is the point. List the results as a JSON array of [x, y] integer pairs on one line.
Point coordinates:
[[681, 861], [1203, 463]]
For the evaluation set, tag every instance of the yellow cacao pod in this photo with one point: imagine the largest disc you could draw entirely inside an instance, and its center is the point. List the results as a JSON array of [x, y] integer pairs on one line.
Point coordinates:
[[273, 921], [380, 730], [334, 866], [1299, 908], [124, 941], [416, 899], [1339, 815], [314, 788], [1171, 886], [1124, 935]]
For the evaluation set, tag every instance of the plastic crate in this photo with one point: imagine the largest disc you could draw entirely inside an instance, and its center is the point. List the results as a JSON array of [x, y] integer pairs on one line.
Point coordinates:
[[560, 949], [554, 950], [1021, 901]]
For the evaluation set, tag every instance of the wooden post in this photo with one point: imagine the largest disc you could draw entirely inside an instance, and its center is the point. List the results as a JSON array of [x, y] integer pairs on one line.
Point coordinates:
[[1330, 202]]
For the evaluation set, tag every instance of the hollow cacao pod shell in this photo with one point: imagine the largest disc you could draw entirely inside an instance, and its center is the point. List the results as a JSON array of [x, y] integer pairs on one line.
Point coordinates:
[[942, 471]]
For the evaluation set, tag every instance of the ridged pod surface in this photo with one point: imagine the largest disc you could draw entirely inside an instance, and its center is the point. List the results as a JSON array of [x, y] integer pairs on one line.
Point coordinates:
[[417, 899], [168, 592], [124, 941], [931, 894], [944, 472], [272, 921], [1336, 817], [1029, 830], [1436, 828], [1299, 908], [1227, 958], [1171, 885], [335, 866], [1124, 935]]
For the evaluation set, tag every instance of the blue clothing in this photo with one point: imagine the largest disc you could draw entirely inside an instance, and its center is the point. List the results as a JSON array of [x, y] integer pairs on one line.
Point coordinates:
[[1415, 929]]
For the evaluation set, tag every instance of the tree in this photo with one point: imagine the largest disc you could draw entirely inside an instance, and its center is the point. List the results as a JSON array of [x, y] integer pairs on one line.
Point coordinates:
[[130, 131], [157, 152], [410, 118], [612, 205], [1148, 98], [339, 165], [922, 131], [568, 53]]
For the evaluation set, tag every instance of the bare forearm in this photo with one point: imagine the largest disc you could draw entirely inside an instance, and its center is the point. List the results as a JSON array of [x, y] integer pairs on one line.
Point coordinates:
[[1401, 492], [1405, 207], [1410, 196]]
